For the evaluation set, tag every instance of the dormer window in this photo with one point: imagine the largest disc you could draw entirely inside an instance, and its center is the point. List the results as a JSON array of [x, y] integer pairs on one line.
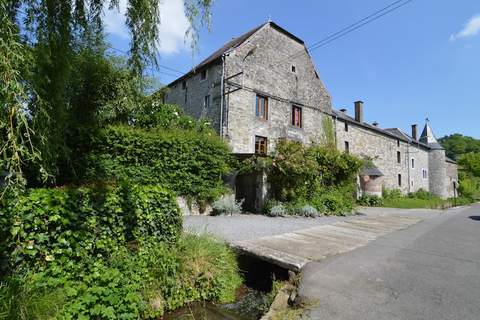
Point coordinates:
[[203, 75]]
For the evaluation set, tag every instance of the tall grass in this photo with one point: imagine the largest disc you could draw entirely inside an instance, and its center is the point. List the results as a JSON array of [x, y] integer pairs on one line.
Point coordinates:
[[22, 299]]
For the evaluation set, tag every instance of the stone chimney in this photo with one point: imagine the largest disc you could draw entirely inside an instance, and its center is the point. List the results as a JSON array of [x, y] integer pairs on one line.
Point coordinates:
[[414, 132], [359, 111]]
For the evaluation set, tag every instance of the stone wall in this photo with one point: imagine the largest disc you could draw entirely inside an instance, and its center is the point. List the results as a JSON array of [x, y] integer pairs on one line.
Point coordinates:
[[452, 177], [382, 150], [256, 64], [438, 173], [192, 98], [420, 156]]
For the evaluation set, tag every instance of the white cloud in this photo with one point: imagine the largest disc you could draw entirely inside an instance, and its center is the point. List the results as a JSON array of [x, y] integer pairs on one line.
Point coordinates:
[[173, 25], [471, 28]]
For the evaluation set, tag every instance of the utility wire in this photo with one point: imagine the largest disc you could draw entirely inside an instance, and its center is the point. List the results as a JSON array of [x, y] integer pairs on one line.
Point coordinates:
[[350, 28]]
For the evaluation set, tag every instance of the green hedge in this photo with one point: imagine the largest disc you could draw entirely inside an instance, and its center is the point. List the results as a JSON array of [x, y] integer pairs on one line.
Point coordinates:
[[190, 162], [64, 226]]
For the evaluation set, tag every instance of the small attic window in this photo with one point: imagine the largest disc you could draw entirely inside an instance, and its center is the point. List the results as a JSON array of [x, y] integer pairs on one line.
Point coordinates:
[[203, 74], [294, 69]]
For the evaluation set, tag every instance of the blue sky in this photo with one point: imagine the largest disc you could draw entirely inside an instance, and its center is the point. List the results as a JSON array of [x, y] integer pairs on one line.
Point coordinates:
[[422, 60]]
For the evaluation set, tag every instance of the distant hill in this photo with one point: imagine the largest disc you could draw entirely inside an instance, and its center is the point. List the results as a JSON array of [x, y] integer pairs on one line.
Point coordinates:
[[456, 144]]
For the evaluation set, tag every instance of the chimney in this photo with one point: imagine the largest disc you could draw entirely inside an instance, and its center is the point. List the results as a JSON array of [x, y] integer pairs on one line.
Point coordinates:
[[343, 110], [359, 111], [414, 132], [375, 124]]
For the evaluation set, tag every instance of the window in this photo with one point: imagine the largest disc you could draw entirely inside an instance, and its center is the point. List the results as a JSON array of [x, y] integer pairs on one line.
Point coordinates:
[[399, 180], [346, 127], [399, 157], [184, 85], [398, 143], [203, 74], [424, 174], [412, 183], [347, 147], [261, 107], [294, 69], [296, 116], [260, 145], [186, 95], [206, 102], [413, 163]]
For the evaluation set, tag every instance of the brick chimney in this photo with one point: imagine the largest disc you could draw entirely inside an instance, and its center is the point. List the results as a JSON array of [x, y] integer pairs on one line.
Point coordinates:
[[414, 132], [359, 111]]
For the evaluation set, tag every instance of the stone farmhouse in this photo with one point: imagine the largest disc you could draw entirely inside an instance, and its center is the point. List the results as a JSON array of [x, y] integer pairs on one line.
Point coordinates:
[[263, 86]]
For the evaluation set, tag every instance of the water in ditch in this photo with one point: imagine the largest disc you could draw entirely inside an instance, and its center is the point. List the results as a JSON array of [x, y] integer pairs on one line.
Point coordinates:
[[252, 298]]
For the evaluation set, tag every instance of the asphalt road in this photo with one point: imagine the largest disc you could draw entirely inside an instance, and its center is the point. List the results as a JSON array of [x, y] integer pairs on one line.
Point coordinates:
[[428, 271]]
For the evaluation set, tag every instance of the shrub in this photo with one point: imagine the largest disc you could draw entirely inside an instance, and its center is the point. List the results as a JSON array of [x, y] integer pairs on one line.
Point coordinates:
[[298, 174], [189, 162], [139, 283], [468, 188], [308, 211], [391, 194], [421, 194], [278, 210], [227, 205], [63, 226], [370, 201]]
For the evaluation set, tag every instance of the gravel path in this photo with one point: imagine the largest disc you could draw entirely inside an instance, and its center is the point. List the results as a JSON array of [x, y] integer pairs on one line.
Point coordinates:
[[251, 226]]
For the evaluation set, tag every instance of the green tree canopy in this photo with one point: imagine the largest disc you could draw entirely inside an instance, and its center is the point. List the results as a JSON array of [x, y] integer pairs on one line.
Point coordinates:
[[456, 144]]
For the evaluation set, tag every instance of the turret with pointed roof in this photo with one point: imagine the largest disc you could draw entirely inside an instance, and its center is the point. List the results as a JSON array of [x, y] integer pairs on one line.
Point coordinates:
[[429, 138]]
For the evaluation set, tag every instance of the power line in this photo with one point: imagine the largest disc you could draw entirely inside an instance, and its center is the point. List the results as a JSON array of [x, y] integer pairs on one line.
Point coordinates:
[[350, 28]]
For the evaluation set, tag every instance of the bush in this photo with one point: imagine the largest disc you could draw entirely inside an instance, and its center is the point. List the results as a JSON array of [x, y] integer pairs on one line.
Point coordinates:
[[63, 226], [370, 201], [144, 282], [189, 162], [391, 194], [227, 205], [421, 194], [468, 188], [278, 210], [308, 211]]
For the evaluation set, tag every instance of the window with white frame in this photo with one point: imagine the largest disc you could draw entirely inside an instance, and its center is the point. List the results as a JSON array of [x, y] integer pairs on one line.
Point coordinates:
[[424, 174]]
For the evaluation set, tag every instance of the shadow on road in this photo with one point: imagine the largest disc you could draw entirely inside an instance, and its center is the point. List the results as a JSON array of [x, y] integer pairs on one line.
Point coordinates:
[[475, 218]]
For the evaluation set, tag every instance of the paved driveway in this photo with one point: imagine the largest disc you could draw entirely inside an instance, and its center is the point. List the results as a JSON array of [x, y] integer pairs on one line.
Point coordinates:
[[428, 271]]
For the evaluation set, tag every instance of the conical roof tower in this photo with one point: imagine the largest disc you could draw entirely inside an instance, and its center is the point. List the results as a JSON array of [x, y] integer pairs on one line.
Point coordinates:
[[429, 138]]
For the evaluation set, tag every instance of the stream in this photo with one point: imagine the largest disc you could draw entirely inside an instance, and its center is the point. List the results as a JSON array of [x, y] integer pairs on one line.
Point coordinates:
[[252, 298]]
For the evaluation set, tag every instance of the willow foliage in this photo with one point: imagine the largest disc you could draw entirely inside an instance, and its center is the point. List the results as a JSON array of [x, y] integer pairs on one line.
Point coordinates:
[[40, 43]]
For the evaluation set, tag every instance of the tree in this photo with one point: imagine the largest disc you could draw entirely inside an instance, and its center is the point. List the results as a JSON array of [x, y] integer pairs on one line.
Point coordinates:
[[456, 145], [56, 34]]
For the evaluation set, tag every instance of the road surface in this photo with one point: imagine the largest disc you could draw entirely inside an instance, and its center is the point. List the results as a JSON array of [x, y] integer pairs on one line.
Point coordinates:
[[428, 271]]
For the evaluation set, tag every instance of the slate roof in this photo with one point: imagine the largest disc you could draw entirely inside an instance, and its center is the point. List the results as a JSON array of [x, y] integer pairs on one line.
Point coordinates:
[[232, 44], [343, 116], [393, 132], [372, 172], [429, 138]]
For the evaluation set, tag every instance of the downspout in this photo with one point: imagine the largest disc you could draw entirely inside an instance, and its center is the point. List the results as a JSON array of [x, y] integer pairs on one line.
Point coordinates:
[[222, 93], [408, 166]]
